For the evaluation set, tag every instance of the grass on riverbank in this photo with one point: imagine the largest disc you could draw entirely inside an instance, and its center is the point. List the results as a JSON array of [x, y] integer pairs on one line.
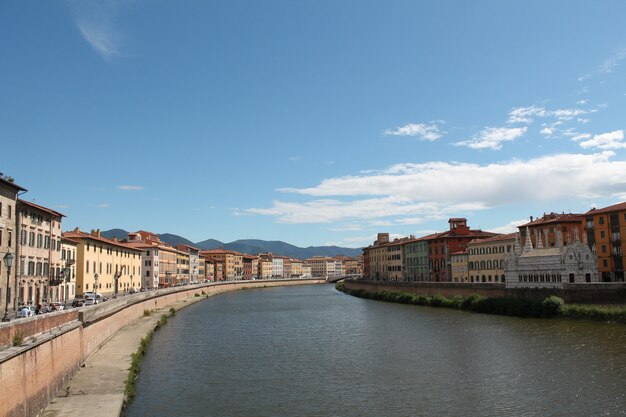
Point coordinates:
[[551, 306], [133, 373]]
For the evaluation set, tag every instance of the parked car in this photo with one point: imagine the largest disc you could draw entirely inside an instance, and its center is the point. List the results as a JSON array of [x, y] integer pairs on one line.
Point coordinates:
[[56, 306], [89, 301], [78, 302], [26, 311]]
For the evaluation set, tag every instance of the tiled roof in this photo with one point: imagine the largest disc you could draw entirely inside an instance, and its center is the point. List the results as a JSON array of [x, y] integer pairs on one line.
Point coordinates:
[[77, 234], [614, 207], [554, 218], [42, 208], [12, 184], [498, 238]]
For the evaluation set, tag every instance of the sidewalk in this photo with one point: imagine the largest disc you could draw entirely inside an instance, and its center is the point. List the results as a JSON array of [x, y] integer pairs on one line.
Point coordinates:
[[97, 389]]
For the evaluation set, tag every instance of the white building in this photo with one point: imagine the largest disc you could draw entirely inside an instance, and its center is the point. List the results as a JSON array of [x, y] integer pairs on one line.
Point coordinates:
[[550, 267]]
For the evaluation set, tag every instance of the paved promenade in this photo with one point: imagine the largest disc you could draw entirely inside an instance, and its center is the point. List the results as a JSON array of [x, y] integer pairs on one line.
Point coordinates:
[[97, 390]]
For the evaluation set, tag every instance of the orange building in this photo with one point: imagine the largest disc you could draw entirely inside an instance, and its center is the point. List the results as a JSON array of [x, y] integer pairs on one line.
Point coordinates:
[[604, 229], [553, 230]]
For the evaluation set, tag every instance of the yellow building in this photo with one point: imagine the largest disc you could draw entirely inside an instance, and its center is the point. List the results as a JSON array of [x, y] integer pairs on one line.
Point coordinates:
[[486, 258], [67, 289], [233, 262], [103, 265], [459, 267], [296, 268], [182, 267], [265, 268]]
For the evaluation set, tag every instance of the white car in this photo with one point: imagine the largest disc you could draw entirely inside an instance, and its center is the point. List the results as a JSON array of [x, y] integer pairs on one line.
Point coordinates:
[[26, 311], [89, 301]]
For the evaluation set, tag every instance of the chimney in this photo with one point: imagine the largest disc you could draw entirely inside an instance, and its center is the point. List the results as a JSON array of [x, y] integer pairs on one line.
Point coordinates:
[[114, 238], [531, 218], [76, 230]]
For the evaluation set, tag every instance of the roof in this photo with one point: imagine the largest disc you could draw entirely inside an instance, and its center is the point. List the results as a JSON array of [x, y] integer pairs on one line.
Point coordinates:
[[76, 234], [71, 241], [219, 252], [542, 252], [186, 246], [614, 207], [554, 218], [462, 252], [498, 238], [11, 184], [42, 208]]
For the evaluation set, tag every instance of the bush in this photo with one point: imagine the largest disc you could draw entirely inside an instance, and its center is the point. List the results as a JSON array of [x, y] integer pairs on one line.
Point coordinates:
[[470, 302], [18, 339], [172, 311], [438, 300], [552, 306]]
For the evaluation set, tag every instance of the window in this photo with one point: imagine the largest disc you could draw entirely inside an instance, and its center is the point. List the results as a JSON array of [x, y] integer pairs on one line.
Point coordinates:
[[603, 248], [10, 213], [9, 239], [31, 239], [23, 237], [39, 240], [602, 234], [0, 235], [600, 220]]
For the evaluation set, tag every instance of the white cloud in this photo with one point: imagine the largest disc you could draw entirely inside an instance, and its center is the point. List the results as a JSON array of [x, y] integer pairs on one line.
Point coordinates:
[[526, 114], [581, 102], [547, 131], [347, 228], [606, 141], [511, 227], [581, 136], [492, 137], [420, 190], [607, 66], [569, 114], [429, 132], [129, 187], [96, 22], [295, 158]]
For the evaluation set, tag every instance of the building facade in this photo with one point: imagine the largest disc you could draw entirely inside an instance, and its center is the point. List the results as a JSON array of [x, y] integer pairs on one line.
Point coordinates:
[[459, 267], [486, 258], [9, 192], [38, 254], [603, 231], [106, 266], [416, 260], [67, 289]]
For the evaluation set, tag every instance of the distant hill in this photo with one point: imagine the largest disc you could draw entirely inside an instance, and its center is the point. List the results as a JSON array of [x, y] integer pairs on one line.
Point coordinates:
[[254, 246], [209, 244], [117, 233], [251, 246], [175, 239]]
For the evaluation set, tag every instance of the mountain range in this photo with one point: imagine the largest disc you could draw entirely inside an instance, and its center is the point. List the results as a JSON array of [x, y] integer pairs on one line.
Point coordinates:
[[250, 246]]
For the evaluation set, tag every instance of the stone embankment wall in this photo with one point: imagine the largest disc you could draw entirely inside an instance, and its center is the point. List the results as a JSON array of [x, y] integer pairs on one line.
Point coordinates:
[[597, 293], [56, 344]]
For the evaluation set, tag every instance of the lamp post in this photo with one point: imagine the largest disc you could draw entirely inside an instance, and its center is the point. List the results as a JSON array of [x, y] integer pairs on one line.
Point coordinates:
[[8, 261], [95, 285]]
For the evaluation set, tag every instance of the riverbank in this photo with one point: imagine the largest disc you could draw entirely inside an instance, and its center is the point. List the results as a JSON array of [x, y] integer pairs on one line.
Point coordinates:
[[45, 367], [551, 306]]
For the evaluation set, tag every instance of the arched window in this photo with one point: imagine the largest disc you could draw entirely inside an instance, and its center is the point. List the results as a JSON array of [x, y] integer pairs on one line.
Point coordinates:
[[488, 264]]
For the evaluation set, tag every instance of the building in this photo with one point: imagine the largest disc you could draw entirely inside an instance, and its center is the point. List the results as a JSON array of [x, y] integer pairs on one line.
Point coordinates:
[[38, 254], [183, 267], [486, 258], [9, 192], [459, 267], [321, 267], [232, 262], [106, 266], [550, 267], [375, 258], [350, 266], [441, 245], [277, 266], [543, 229], [307, 271], [67, 289], [160, 261], [193, 274], [248, 260], [416, 260], [296, 268], [603, 232], [265, 267]]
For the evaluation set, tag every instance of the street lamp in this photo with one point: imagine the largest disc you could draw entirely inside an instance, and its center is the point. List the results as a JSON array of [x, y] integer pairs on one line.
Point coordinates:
[[8, 261], [95, 285]]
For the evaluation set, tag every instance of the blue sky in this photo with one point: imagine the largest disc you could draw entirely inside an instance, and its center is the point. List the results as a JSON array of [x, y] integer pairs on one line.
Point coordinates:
[[313, 122]]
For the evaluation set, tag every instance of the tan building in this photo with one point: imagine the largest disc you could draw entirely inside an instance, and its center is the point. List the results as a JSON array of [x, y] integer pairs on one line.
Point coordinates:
[[67, 289], [459, 267], [296, 268], [385, 259], [350, 266], [232, 262], [106, 266], [265, 268], [38, 253], [193, 265], [8, 240], [486, 258], [182, 267], [321, 266]]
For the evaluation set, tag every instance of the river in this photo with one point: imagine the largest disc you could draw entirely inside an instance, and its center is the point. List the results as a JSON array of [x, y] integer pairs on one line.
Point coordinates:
[[313, 351]]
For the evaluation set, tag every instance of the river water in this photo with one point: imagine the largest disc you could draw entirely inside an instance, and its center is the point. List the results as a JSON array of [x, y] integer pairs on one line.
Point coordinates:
[[313, 351]]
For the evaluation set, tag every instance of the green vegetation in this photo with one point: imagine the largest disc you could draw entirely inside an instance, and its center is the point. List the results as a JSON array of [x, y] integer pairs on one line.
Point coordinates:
[[18, 339], [133, 372], [551, 306]]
